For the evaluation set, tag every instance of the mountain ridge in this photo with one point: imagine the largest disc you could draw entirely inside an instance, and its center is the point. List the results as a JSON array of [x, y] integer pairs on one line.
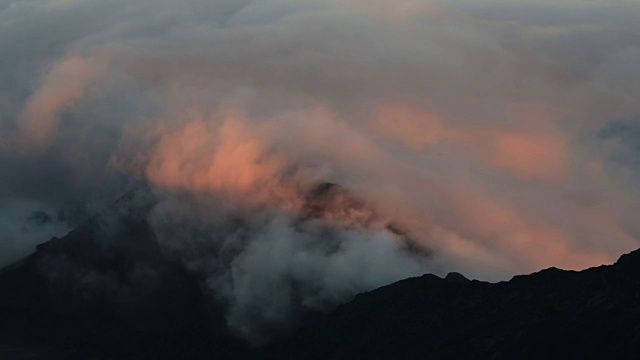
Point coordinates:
[[553, 313], [107, 290]]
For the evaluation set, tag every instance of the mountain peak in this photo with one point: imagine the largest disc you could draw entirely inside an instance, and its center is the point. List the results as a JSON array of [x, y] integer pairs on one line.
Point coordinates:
[[456, 277]]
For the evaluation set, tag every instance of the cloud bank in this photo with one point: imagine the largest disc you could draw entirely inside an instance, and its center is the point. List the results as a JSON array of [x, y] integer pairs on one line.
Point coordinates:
[[500, 135]]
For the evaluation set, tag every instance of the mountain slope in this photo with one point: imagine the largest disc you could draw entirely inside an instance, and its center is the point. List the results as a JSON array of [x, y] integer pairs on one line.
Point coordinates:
[[107, 290], [552, 314]]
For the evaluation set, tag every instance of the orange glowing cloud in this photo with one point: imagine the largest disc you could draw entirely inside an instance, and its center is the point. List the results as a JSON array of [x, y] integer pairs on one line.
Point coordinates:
[[218, 154], [208, 156], [535, 151], [65, 84], [256, 162], [530, 155], [504, 228]]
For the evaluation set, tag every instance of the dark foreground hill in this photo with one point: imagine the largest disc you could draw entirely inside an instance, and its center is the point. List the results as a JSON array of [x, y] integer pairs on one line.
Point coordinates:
[[552, 314], [107, 291]]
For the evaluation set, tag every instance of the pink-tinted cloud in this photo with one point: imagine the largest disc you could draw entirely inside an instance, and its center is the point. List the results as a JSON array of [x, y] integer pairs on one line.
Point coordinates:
[[530, 150], [473, 129], [65, 84]]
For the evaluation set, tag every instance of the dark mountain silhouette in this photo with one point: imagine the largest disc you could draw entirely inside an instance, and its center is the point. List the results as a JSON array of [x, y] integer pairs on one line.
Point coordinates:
[[107, 290], [552, 314]]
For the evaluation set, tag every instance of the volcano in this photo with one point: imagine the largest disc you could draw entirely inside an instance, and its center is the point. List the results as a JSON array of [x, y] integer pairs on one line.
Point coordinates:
[[108, 290]]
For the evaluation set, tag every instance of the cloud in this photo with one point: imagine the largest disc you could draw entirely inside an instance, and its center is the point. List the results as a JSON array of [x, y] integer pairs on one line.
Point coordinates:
[[527, 150], [270, 263], [64, 85], [484, 129]]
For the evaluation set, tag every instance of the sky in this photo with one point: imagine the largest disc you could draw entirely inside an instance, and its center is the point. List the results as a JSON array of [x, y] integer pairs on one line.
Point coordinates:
[[504, 136]]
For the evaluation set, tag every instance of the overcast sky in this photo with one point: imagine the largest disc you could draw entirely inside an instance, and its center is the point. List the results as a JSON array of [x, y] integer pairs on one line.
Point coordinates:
[[504, 134]]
